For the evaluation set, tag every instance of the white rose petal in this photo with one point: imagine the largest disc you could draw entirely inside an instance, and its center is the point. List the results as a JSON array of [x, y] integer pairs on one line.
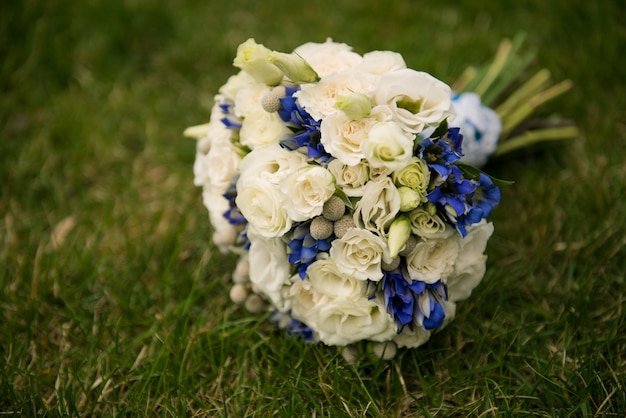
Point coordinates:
[[359, 253], [380, 62]]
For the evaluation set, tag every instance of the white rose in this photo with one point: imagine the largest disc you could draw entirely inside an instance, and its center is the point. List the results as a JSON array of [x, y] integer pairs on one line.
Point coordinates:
[[262, 128], [469, 268], [271, 162], [328, 57], [416, 99], [433, 259], [342, 137], [305, 191], [235, 83], [319, 98], [345, 321], [480, 127], [328, 280], [248, 99], [260, 203], [218, 166], [350, 178], [378, 207], [359, 253], [380, 62], [415, 175], [270, 268], [339, 320], [387, 145], [428, 225]]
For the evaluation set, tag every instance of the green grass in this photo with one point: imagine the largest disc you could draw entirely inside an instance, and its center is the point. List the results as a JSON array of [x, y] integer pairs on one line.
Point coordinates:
[[115, 302]]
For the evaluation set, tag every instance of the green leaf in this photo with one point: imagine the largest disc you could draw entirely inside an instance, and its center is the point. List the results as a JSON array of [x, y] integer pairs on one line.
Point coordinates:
[[473, 173], [441, 130]]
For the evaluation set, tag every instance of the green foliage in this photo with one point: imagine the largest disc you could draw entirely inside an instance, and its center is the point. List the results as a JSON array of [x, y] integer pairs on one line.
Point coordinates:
[[115, 302]]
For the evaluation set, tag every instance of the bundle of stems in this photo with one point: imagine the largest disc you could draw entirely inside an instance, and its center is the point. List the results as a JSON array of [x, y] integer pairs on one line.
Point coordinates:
[[501, 86]]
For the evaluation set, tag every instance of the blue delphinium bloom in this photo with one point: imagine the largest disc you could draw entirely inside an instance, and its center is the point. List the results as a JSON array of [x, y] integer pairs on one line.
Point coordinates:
[[412, 302], [229, 120], [233, 214], [306, 130], [432, 308], [303, 248], [453, 197], [439, 154]]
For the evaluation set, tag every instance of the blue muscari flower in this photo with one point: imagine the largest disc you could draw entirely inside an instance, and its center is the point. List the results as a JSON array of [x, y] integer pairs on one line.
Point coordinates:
[[302, 248], [293, 327], [306, 130], [412, 302]]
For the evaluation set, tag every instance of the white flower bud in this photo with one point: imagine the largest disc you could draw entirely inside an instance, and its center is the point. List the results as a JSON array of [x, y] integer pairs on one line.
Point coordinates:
[[409, 199], [252, 58], [355, 105], [293, 66], [399, 233]]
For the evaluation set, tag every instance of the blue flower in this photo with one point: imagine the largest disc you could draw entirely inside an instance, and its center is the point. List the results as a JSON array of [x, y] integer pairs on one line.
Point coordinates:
[[233, 214], [229, 120], [306, 130], [302, 248], [413, 302], [293, 327], [439, 154]]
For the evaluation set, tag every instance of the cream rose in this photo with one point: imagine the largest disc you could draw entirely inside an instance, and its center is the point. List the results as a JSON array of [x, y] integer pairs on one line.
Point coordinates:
[[342, 137], [304, 192], [234, 84], [319, 99], [248, 99], [433, 259], [271, 269], [416, 99], [271, 162], [470, 266], [350, 178], [359, 253], [262, 128], [428, 225], [328, 57], [387, 145], [378, 207], [415, 175], [338, 320], [260, 203]]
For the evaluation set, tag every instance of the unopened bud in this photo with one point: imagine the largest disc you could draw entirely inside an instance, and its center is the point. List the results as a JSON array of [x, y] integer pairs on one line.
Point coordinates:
[[355, 105], [294, 67]]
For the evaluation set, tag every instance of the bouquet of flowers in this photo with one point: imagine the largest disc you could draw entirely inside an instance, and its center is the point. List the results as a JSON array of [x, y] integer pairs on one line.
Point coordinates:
[[340, 181]]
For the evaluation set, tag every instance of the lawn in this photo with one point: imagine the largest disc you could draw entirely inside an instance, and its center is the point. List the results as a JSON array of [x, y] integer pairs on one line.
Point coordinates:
[[115, 302]]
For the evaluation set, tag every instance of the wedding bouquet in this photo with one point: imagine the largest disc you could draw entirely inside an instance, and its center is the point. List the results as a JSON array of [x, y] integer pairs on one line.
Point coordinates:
[[340, 181]]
